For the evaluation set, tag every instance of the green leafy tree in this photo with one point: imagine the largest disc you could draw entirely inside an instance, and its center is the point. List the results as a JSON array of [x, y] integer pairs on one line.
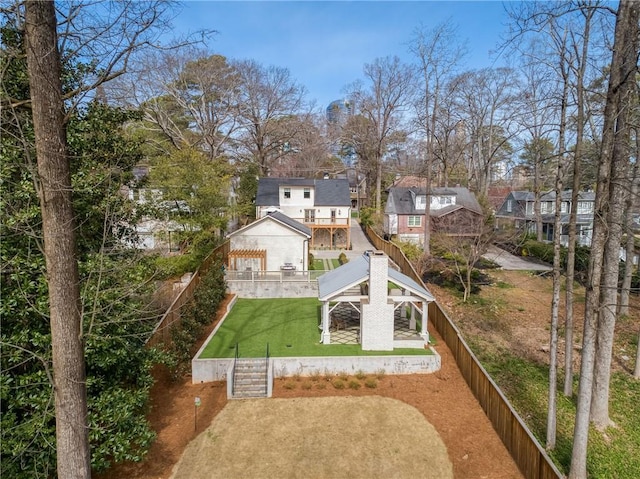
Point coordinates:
[[116, 318], [195, 192]]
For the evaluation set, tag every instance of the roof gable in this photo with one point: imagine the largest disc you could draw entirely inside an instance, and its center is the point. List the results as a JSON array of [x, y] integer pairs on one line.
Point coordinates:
[[280, 218], [355, 272], [402, 200]]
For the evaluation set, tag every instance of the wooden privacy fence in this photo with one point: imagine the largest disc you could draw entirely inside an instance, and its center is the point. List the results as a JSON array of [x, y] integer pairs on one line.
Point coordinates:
[[531, 458], [162, 332]]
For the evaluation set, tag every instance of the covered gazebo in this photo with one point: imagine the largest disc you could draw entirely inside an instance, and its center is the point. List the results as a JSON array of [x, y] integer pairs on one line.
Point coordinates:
[[374, 291]]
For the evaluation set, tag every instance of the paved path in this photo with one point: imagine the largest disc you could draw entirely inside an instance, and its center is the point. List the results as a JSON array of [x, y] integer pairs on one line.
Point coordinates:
[[508, 261], [359, 244]]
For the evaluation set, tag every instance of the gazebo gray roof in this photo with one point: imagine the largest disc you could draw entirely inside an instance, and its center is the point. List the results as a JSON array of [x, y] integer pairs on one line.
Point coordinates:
[[333, 283]]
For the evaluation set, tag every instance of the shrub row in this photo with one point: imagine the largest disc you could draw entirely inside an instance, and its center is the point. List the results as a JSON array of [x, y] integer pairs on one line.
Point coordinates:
[[197, 313]]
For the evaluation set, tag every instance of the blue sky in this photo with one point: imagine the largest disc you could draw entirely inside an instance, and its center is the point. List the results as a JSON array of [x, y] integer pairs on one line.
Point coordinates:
[[325, 44]]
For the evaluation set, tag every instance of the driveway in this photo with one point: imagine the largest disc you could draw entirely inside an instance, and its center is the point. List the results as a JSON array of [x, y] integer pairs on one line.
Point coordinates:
[[508, 261]]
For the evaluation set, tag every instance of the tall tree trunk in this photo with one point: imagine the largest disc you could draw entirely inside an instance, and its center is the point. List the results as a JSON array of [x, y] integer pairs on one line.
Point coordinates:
[[379, 183], [43, 64], [536, 200], [620, 131], [629, 267], [555, 309], [427, 210], [624, 61], [573, 216]]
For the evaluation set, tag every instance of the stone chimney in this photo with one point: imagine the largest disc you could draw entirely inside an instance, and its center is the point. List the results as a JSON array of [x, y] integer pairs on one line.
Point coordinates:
[[377, 309]]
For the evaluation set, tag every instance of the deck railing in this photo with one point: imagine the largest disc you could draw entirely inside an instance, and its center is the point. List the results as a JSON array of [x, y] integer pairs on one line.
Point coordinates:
[[526, 451]]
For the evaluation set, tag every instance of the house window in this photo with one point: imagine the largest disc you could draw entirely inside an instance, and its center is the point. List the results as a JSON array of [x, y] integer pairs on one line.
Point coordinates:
[[307, 193], [414, 221], [564, 207], [509, 206], [421, 202], [333, 216], [287, 192], [309, 216], [585, 207], [446, 200]]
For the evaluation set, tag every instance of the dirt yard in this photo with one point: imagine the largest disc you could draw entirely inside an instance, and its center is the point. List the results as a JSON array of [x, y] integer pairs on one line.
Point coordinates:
[[365, 437]]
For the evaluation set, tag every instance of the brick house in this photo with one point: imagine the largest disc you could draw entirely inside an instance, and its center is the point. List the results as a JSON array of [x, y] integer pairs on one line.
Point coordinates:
[[454, 211]]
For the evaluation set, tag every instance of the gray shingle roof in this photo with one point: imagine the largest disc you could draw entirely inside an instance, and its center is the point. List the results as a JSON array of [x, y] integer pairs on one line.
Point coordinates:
[[327, 192], [355, 272], [402, 200]]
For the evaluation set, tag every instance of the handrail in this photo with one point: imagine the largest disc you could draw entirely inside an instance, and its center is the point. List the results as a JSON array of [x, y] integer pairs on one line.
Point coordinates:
[[266, 371], [233, 374]]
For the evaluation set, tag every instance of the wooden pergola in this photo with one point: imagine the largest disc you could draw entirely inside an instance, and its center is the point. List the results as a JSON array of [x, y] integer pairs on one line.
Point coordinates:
[[329, 230], [244, 254]]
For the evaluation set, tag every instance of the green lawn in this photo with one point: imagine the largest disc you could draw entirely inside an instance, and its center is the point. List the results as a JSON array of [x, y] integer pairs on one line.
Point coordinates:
[[290, 326], [526, 385]]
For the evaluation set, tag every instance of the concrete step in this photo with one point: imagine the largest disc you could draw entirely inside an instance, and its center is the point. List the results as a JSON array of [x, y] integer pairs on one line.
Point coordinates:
[[250, 378]]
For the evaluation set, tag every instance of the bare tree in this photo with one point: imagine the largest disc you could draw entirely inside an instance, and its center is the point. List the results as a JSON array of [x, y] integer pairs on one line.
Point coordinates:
[[268, 97], [465, 236], [308, 153], [190, 97], [618, 134], [438, 53], [44, 69], [615, 141], [485, 101], [450, 145], [555, 310], [380, 106], [581, 50]]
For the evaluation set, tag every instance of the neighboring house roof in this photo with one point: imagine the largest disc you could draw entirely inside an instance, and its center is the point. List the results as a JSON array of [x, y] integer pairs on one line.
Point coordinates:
[[279, 218], [402, 201], [550, 195], [327, 192], [355, 272], [445, 211], [409, 182], [497, 194]]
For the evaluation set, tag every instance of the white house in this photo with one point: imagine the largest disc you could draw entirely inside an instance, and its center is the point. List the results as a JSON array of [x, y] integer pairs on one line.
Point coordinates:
[[272, 243], [324, 206]]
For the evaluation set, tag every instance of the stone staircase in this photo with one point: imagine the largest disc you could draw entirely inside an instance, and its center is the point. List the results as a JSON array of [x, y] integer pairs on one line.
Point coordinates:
[[250, 379]]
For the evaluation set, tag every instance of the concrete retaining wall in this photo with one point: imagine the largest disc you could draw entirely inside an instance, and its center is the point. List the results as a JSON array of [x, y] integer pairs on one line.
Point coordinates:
[[206, 370], [273, 289]]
